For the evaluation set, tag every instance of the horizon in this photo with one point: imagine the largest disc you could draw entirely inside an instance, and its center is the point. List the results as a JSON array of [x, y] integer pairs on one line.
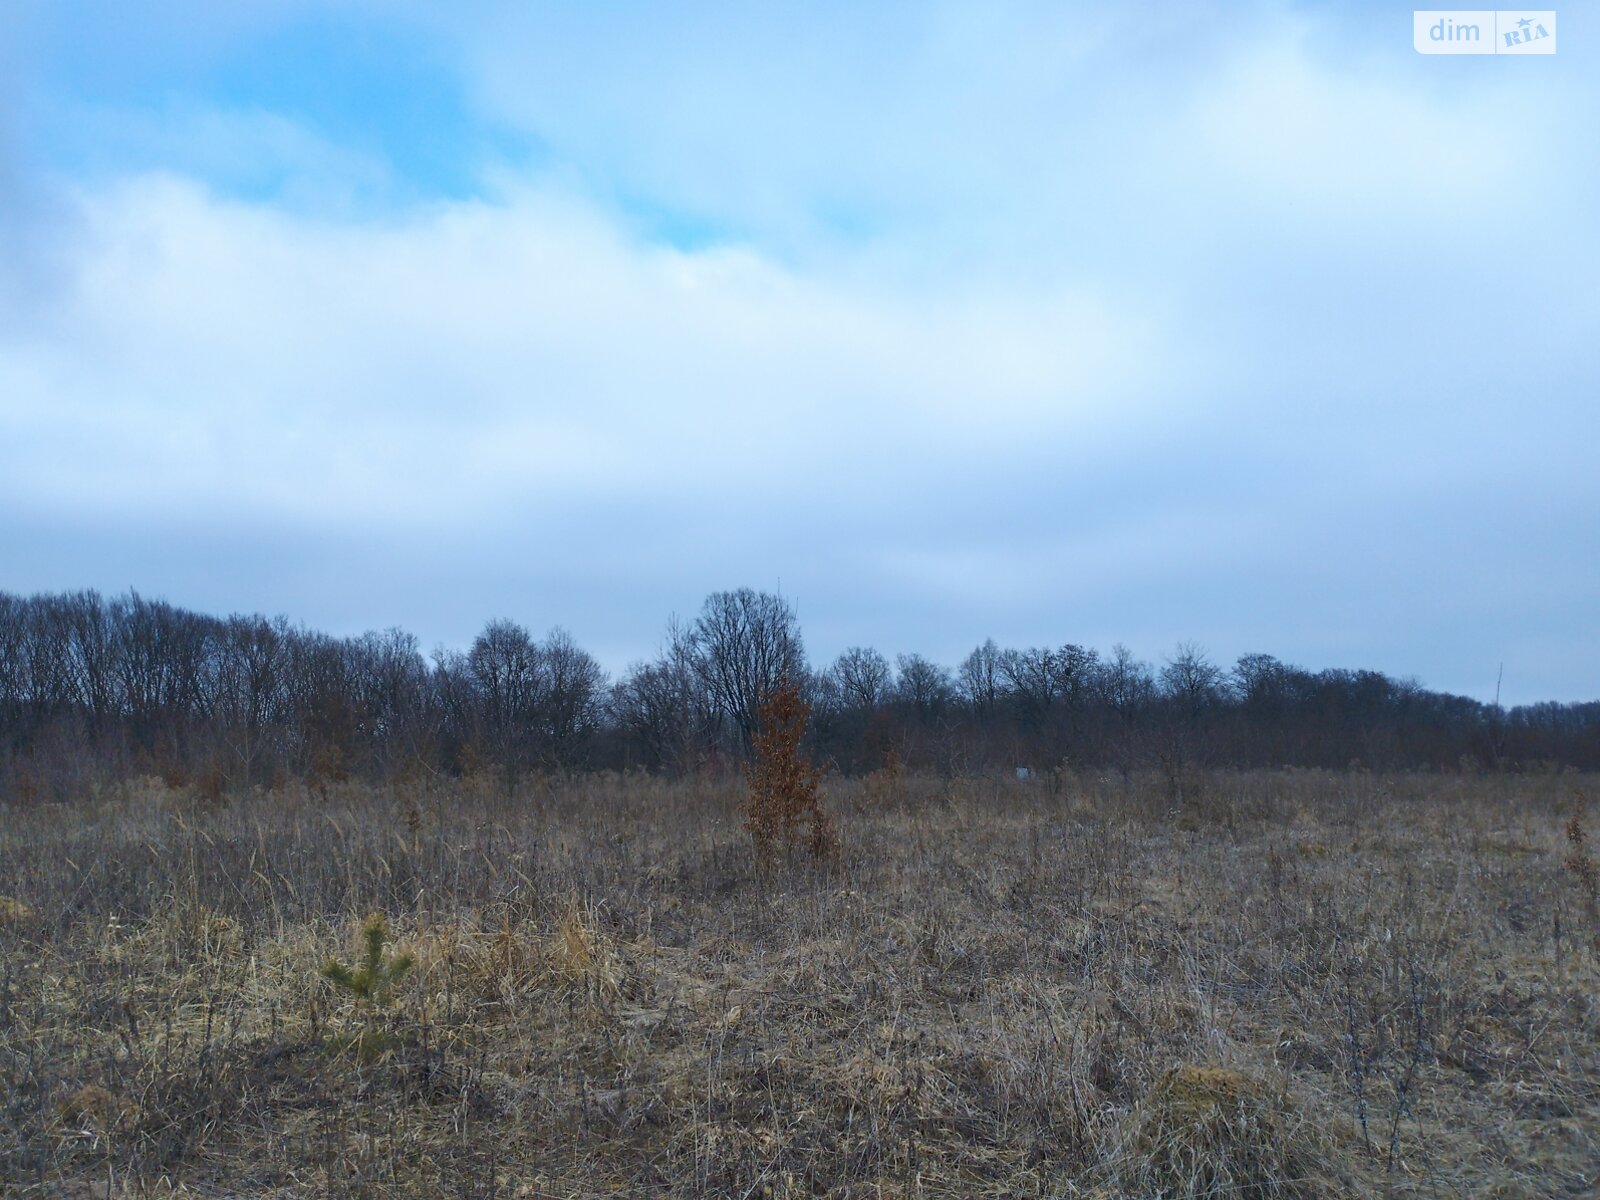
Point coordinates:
[[1248, 327], [616, 672]]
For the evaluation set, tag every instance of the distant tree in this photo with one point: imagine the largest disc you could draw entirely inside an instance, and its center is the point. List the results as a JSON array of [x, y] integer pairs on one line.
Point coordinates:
[[249, 693], [1258, 679], [1041, 677], [663, 709], [92, 689], [1126, 683], [1126, 687], [1191, 679], [923, 686], [390, 680], [504, 664], [862, 676], [981, 680], [571, 698], [1191, 686], [457, 726], [744, 644], [850, 723], [324, 718], [13, 661], [85, 666]]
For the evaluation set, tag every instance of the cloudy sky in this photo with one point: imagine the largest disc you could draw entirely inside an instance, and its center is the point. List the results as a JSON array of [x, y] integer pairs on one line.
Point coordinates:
[[1238, 323]]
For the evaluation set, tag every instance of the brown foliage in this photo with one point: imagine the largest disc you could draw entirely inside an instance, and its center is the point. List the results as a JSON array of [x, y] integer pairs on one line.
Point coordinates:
[[784, 808], [1583, 867]]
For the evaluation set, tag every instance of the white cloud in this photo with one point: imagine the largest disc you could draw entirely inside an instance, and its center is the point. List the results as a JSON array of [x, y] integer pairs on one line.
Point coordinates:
[[472, 356], [1082, 320]]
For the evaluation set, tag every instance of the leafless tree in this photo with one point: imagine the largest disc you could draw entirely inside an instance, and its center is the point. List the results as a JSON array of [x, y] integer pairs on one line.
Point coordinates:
[[13, 657], [862, 677], [249, 696], [1191, 679], [1125, 683], [745, 644], [570, 697], [390, 680], [91, 687], [981, 680], [80, 627], [1126, 687], [159, 658], [923, 686], [504, 663], [1191, 685]]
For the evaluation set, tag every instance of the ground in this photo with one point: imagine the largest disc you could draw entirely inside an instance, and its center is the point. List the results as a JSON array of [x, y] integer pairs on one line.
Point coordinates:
[[1292, 984]]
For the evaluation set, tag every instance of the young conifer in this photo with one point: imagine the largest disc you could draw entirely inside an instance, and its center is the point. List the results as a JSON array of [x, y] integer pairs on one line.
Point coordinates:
[[372, 981]]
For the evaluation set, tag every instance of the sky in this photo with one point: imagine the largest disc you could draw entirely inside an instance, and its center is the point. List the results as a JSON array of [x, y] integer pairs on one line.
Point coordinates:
[[1237, 324]]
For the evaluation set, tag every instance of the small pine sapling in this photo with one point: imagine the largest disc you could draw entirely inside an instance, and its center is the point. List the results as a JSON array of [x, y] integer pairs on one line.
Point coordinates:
[[372, 981]]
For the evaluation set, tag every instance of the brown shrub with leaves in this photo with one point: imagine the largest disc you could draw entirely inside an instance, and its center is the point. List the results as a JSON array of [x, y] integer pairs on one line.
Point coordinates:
[[1584, 869], [784, 808]]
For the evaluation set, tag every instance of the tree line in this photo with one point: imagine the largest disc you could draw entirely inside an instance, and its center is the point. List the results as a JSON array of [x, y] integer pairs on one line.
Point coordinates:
[[93, 688]]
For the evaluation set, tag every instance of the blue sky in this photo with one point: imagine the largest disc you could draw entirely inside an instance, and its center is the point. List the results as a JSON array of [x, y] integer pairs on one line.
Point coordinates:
[[1238, 324]]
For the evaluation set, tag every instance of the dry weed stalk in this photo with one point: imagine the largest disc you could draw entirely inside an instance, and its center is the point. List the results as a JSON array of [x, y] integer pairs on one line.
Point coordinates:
[[886, 785], [582, 957], [784, 808]]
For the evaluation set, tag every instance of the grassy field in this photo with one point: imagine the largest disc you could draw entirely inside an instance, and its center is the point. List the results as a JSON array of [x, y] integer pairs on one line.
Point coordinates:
[[1297, 984]]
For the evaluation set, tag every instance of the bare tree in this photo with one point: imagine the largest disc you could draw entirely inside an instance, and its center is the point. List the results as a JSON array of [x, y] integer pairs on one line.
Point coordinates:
[[1191, 686], [1191, 679], [13, 659], [86, 664], [504, 663], [1126, 687], [455, 711], [662, 707], [323, 720], [981, 680], [570, 697], [1042, 677], [923, 685], [1126, 684], [745, 644], [249, 695], [862, 676], [159, 657], [390, 678]]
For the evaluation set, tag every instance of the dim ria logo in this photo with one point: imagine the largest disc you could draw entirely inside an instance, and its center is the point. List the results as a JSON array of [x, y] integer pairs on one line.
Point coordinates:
[[1483, 31]]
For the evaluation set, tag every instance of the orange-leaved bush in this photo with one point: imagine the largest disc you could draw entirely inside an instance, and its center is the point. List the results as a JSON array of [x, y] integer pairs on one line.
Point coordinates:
[[784, 808]]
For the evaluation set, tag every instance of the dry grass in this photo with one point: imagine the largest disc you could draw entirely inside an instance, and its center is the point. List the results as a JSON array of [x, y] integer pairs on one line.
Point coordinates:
[[1301, 984]]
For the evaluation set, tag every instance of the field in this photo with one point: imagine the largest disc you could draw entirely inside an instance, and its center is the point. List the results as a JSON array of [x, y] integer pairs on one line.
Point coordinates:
[[1295, 984]]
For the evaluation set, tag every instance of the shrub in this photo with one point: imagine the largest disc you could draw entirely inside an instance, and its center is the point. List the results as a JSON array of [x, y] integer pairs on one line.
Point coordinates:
[[372, 981], [371, 984], [1585, 872], [784, 808]]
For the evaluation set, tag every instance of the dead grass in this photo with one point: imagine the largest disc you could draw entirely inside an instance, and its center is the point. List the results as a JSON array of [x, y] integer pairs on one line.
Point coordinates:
[[1302, 984]]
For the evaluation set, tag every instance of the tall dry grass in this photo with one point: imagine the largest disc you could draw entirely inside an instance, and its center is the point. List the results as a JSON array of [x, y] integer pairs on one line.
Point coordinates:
[[1297, 984]]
